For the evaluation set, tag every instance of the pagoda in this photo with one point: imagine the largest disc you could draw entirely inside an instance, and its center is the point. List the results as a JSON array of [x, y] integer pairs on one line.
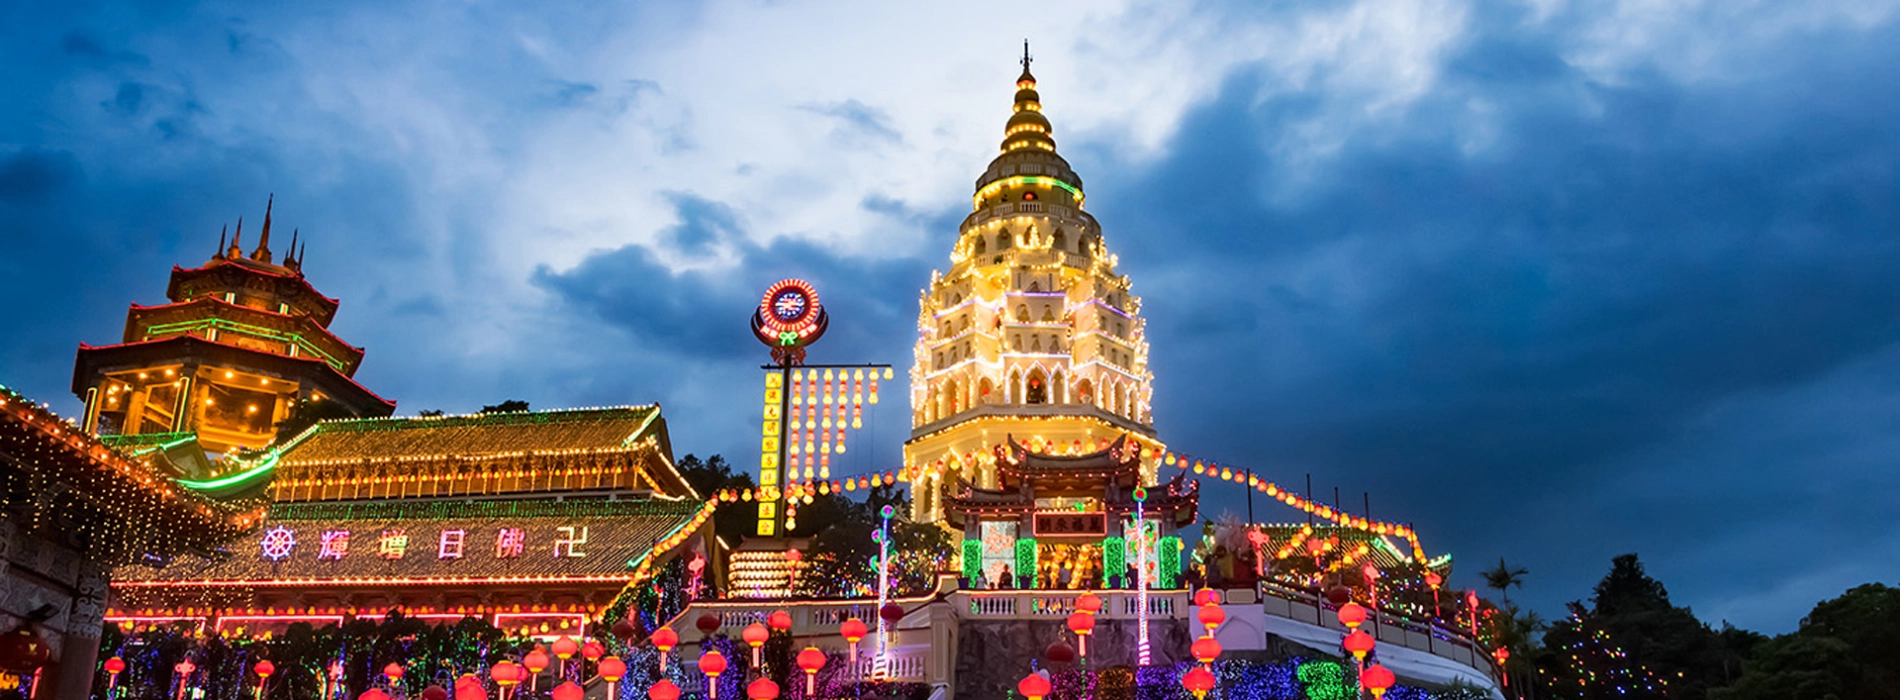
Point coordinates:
[[243, 340], [1030, 386]]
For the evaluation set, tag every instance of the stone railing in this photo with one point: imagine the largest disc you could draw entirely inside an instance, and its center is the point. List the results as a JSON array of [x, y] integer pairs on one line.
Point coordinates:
[[1303, 606]]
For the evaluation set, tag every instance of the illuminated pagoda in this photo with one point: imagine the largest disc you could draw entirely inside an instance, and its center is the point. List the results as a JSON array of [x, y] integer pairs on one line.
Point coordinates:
[[71, 508], [535, 521], [243, 339], [1031, 338]]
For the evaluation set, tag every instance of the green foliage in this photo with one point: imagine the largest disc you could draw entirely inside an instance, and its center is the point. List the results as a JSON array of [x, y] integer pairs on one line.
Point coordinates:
[[509, 406], [1168, 564], [1026, 556], [1327, 680], [1114, 556], [1848, 647], [972, 559], [1504, 577], [1634, 643], [842, 547]]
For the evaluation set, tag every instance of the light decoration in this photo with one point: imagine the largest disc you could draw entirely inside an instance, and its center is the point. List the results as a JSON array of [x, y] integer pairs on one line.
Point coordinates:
[[880, 666], [393, 544], [570, 541], [450, 546], [1293, 500], [973, 559], [1141, 577], [277, 543], [510, 542]]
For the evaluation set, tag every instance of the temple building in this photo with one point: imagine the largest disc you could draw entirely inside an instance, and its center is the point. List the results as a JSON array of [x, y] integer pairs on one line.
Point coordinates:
[[534, 521], [72, 508], [244, 339], [1031, 366]]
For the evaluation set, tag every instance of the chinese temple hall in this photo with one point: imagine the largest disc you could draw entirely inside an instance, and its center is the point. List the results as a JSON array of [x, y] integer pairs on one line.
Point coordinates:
[[242, 341], [1069, 521], [534, 521]]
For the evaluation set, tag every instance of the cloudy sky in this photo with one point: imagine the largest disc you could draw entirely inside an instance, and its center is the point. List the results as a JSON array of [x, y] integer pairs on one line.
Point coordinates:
[[1553, 279]]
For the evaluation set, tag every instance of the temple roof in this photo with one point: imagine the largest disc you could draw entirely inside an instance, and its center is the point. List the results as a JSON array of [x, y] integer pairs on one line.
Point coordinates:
[[232, 274], [475, 435], [59, 482], [92, 360], [141, 320], [619, 534]]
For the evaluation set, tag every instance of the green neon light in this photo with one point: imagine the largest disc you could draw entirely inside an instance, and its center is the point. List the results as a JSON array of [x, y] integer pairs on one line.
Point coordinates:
[[1028, 180], [296, 339], [263, 468]]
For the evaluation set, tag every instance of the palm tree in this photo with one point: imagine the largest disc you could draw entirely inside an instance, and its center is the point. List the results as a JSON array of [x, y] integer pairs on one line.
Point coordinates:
[[1504, 577]]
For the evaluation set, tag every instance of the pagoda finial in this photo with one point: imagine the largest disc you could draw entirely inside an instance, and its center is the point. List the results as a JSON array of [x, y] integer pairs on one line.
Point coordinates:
[[292, 259], [237, 246], [1027, 59], [262, 254], [222, 233]]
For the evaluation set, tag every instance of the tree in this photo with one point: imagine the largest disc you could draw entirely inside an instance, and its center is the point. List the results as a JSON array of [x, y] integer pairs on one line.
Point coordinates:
[[842, 546], [734, 521], [1504, 577], [430, 413], [509, 406], [1631, 643], [1845, 648]]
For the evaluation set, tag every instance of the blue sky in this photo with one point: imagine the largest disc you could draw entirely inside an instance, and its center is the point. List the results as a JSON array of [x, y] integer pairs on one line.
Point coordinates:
[[1553, 280]]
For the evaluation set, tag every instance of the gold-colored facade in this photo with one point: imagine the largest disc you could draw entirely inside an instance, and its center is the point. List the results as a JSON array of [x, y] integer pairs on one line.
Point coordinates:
[[1031, 333]]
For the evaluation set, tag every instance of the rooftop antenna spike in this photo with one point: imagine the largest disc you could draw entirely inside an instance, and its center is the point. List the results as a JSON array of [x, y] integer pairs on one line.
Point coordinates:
[[1026, 58], [237, 247], [222, 233], [262, 254]]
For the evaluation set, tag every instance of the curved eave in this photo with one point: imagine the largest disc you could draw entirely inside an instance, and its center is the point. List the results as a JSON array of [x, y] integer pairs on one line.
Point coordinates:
[[299, 323], [215, 267], [93, 360]]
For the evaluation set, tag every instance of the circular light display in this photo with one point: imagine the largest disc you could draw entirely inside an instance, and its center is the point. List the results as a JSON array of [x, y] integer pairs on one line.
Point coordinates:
[[789, 306], [277, 543]]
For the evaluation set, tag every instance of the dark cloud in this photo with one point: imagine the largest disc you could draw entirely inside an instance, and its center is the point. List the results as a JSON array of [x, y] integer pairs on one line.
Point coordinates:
[[1487, 317], [30, 173]]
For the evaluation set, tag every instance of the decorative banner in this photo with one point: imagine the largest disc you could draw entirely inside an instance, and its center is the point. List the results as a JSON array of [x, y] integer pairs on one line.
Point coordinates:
[[1071, 524]]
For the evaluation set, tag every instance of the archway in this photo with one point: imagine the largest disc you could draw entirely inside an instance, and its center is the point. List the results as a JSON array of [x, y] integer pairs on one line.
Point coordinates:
[[1038, 389]]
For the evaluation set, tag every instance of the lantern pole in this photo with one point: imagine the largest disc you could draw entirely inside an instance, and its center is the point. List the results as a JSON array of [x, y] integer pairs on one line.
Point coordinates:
[[1141, 576], [881, 666]]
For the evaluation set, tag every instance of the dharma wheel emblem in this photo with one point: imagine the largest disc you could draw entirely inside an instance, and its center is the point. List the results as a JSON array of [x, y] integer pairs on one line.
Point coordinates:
[[789, 319]]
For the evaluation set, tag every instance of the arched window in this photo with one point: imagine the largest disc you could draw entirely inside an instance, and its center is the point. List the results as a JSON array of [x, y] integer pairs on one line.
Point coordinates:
[[1060, 388], [930, 407], [1022, 313], [1035, 286], [951, 399], [965, 324], [1004, 239], [1015, 387], [1060, 240], [983, 390], [1035, 343], [1121, 400], [1085, 392], [981, 244], [1049, 314], [939, 360], [1038, 389]]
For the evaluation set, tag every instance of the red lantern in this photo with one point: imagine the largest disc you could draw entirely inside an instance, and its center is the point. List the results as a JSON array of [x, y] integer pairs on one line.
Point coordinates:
[[1199, 681], [115, 665], [1359, 643], [565, 648], [664, 690], [1207, 596], [1081, 623], [612, 668], [568, 691], [1433, 580], [504, 673], [264, 668], [891, 613], [1377, 679], [853, 630], [712, 663], [811, 659], [707, 624], [435, 692], [535, 660], [1211, 616], [592, 651], [373, 694], [1033, 686], [1351, 615], [781, 621], [762, 689], [665, 639], [1089, 603], [1205, 650], [393, 671], [1059, 653], [468, 687], [755, 635]]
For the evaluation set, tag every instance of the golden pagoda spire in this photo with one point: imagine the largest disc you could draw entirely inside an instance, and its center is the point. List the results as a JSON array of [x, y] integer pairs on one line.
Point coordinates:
[[1027, 128], [262, 254]]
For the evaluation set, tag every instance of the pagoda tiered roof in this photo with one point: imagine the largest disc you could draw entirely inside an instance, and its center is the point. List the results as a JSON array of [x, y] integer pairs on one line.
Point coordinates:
[[1110, 475], [307, 333], [279, 282], [93, 361]]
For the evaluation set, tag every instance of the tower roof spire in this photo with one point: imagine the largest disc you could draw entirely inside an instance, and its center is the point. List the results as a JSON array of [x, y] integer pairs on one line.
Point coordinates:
[[237, 246], [222, 234], [1027, 128], [262, 254]]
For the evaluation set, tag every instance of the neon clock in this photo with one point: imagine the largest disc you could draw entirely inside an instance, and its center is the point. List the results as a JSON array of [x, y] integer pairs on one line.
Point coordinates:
[[788, 319]]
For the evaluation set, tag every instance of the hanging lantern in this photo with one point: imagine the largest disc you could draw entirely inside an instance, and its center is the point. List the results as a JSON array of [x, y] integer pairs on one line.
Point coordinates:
[[1033, 686], [780, 621], [468, 687], [592, 651], [1198, 681], [393, 672], [1205, 649], [762, 689], [1352, 615], [712, 663], [1433, 580], [1359, 643], [263, 669], [535, 661], [891, 613], [569, 691], [1089, 603], [1059, 653], [504, 673], [707, 624], [664, 639], [612, 669], [853, 630], [755, 635], [23, 651], [811, 660], [1211, 616], [663, 690], [565, 648], [1378, 679], [1207, 596], [373, 694]]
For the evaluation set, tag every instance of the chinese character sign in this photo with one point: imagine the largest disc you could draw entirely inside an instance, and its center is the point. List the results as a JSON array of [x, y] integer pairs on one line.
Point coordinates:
[[509, 542], [568, 545], [393, 544], [451, 545], [335, 544]]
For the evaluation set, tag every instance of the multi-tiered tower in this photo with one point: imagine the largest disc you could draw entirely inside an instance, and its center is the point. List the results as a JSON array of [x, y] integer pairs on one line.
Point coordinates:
[[1031, 334], [244, 339]]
